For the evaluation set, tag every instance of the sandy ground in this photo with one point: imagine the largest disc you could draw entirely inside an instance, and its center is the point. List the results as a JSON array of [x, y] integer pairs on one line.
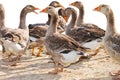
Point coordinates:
[[37, 68]]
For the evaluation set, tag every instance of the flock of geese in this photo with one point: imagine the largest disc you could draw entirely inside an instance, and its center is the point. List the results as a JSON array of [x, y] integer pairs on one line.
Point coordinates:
[[65, 49]]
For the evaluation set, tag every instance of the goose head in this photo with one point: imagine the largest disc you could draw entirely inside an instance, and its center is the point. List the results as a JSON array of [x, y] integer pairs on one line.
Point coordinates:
[[61, 12], [73, 13], [27, 9], [50, 10], [77, 4], [65, 13], [55, 4], [30, 8], [105, 9], [68, 11]]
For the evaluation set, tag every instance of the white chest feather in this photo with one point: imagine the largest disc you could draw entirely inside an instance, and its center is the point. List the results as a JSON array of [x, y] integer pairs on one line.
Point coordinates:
[[33, 38], [12, 47], [69, 58]]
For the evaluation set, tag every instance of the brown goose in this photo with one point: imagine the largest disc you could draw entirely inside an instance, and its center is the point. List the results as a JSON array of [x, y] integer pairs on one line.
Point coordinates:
[[111, 40], [80, 34], [39, 30], [59, 44], [55, 4], [80, 21], [15, 41]]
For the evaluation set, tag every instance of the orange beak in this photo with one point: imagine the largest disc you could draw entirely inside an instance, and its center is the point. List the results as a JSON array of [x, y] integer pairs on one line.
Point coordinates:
[[60, 5], [44, 10], [97, 9], [66, 18], [36, 9], [73, 4]]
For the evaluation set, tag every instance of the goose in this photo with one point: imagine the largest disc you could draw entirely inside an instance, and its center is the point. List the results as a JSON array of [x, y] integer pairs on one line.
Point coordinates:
[[80, 34], [111, 41], [80, 20], [15, 41], [60, 44], [38, 30]]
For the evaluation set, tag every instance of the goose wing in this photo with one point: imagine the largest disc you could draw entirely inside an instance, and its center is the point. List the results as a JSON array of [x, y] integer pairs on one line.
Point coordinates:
[[115, 40], [61, 41]]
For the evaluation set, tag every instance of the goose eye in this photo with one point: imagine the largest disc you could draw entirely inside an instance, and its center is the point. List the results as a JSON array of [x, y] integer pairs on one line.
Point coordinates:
[[49, 8], [30, 8]]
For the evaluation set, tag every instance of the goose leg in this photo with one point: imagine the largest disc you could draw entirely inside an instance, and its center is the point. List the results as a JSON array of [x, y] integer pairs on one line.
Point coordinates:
[[33, 51], [96, 51], [98, 48], [16, 61], [115, 73], [56, 69], [62, 69], [9, 59], [39, 52]]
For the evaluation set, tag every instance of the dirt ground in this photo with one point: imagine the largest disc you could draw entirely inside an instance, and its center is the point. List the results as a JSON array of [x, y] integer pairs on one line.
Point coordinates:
[[37, 68]]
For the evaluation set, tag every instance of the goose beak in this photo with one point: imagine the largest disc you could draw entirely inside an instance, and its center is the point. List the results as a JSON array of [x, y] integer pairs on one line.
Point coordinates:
[[60, 5], [36, 9], [66, 18], [44, 10], [72, 4], [97, 8]]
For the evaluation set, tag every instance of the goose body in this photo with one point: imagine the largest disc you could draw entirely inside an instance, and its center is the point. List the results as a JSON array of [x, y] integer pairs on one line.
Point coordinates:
[[37, 32], [12, 47], [18, 39]]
